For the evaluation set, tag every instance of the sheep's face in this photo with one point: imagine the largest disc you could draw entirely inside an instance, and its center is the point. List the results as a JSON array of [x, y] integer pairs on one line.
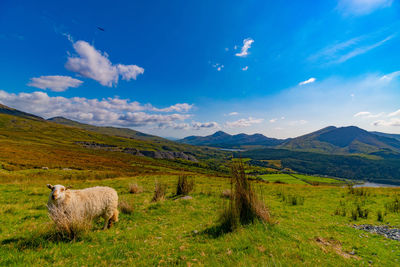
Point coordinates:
[[57, 191]]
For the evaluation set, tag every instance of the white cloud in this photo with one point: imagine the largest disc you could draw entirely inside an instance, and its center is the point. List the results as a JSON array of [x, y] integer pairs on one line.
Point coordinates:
[[389, 123], [218, 66], [190, 126], [367, 114], [180, 107], [311, 80], [361, 7], [273, 120], [202, 125], [91, 63], [396, 113], [243, 122], [362, 114], [109, 111], [233, 113], [55, 83], [246, 46], [245, 68]]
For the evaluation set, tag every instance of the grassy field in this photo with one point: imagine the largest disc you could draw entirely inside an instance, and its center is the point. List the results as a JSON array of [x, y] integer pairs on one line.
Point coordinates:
[[180, 232]]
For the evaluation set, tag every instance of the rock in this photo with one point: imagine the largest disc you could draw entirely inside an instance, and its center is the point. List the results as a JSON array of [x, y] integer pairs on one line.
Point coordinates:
[[186, 198], [45, 168], [391, 233]]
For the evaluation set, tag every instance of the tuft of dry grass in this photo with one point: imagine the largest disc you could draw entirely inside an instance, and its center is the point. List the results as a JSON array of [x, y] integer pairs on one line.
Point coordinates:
[[69, 225], [227, 193], [184, 185], [125, 207], [160, 190], [244, 207], [135, 189]]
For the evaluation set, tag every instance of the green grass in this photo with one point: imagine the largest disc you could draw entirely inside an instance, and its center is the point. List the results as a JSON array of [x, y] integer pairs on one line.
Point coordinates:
[[318, 179], [281, 177], [180, 232]]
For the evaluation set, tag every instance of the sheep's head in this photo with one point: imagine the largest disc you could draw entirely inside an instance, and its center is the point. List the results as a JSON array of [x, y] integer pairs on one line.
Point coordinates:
[[57, 191]]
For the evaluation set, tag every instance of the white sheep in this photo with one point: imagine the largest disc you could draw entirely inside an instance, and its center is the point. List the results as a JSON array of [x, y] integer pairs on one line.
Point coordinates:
[[85, 204]]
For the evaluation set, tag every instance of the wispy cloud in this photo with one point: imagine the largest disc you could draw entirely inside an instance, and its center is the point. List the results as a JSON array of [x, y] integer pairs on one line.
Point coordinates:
[[246, 46], [243, 122], [361, 7], [233, 113], [367, 114], [393, 114], [55, 83], [362, 50], [311, 80], [92, 63], [245, 68], [343, 51]]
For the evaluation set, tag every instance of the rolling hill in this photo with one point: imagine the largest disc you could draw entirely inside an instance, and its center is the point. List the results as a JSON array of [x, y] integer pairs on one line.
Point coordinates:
[[344, 140], [224, 140]]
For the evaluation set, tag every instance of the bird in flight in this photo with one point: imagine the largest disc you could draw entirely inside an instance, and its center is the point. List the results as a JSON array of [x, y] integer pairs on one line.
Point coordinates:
[[101, 29]]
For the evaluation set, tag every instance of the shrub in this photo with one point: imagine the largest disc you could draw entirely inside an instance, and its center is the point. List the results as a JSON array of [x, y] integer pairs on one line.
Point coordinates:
[[295, 200], [244, 206], [361, 191], [359, 212], [184, 185], [135, 189], [341, 210], [159, 191], [380, 216], [125, 207]]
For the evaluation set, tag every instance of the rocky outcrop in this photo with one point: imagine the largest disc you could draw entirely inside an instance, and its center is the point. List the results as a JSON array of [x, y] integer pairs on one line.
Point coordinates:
[[134, 151]]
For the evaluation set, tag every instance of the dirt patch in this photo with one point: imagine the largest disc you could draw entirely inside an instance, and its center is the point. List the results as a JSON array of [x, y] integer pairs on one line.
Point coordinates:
[[335, 245]]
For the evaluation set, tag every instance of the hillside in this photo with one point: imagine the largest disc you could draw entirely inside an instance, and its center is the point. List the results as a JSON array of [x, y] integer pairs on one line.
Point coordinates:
[[10, 111], [28, 141], [224, 140], [342, 166], [344, 140]]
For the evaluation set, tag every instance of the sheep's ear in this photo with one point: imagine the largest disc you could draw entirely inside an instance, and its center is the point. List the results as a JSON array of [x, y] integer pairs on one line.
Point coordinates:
[[50, 186]]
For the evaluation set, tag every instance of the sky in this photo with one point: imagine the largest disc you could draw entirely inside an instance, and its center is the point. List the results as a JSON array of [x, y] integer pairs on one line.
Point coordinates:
[[180, 68]]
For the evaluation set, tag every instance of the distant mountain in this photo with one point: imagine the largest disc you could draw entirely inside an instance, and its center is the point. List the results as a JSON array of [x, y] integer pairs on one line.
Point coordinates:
[[224, 140], [344, 140], [10, 111], [113, 131]]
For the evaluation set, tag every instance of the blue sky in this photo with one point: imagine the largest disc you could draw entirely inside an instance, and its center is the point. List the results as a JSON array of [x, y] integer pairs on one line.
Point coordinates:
[[180, 68]]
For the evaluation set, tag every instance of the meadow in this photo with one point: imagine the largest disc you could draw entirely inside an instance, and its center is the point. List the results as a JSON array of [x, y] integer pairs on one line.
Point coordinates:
[[311, 231]]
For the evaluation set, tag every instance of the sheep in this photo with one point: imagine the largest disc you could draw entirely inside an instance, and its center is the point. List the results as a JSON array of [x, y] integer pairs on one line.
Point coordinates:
[[85, 204]]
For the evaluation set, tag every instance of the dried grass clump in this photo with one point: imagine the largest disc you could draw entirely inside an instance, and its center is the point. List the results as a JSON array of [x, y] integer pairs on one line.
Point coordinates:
[[69, 225], [135, 189], [184, 185], [125, 207], [244, 207], [159, 192], [227, 193]]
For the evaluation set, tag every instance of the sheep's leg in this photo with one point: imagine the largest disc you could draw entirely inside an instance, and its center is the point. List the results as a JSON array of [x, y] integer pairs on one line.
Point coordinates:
[[106, 222]]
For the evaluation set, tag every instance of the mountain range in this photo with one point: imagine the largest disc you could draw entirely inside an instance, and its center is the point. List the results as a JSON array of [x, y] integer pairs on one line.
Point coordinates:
[[329, 140]]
